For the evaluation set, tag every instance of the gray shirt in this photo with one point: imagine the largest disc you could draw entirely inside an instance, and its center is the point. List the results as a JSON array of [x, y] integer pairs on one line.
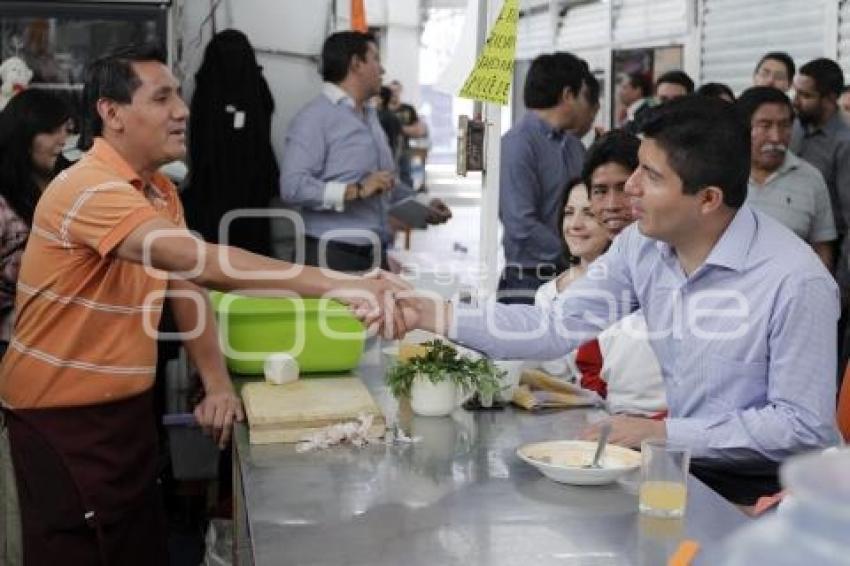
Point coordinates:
[[828, 149], [536, 163], [796, 195], [330, 144]]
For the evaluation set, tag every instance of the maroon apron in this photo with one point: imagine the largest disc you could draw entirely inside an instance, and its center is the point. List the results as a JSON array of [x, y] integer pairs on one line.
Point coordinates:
[[87, 484]]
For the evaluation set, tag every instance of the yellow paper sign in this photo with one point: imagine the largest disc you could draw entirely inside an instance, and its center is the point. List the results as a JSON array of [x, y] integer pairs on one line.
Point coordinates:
[[490, 79]]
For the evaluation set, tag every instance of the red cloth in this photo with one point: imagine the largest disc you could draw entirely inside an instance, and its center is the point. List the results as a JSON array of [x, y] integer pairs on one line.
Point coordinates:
[[589, 362], [843, 413]]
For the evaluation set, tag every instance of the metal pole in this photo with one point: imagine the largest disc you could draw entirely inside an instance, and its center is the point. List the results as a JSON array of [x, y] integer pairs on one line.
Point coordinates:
[[481, 37], [489, 234]]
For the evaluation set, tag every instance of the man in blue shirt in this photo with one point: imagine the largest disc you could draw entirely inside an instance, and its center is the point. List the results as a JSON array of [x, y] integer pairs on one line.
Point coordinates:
[[539, 156], [740, 311], [337, 165]]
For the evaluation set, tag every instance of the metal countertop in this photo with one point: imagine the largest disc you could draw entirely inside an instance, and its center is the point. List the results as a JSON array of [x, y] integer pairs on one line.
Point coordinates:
[[459, 496]]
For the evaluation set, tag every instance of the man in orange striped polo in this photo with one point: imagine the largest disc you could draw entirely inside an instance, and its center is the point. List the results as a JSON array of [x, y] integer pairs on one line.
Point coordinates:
[[108, 242]]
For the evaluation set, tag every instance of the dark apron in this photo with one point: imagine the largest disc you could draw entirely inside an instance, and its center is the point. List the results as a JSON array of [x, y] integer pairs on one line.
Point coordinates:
[[87, 484]]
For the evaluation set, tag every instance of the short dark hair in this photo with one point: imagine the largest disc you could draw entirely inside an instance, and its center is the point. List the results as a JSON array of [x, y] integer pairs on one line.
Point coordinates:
[[828, 76], [549, 75], [593, 88], [752, 98], [615, 146], [112, 76], [706, 142], [677, 78], [783, 58], [716, 90], [338, 51], [642, 82]]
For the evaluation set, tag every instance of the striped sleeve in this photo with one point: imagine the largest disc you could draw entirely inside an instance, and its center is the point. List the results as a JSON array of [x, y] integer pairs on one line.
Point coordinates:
[[101, 216]]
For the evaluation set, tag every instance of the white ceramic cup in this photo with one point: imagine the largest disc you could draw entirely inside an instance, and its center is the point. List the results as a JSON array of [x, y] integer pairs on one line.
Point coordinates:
[[434, 399]]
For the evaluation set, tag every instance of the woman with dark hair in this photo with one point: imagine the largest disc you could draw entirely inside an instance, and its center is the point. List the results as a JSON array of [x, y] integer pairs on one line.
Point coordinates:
[[585, 239], [33, 130], [231, 162], [619, 365]]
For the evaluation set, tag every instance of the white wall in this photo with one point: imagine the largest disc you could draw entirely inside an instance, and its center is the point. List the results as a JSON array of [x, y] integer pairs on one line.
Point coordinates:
[[281, 25], [300, 27], [401, 55], [399, 37]]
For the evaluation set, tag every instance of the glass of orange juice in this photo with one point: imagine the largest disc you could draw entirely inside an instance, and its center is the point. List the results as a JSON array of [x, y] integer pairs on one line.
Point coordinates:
[[663, 479]]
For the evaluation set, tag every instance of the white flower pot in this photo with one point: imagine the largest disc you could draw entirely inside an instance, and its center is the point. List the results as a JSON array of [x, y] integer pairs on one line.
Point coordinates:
[[434, 399]]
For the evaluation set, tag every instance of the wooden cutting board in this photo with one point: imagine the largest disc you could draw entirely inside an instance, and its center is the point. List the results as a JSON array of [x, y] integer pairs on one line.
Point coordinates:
[[288, 413]]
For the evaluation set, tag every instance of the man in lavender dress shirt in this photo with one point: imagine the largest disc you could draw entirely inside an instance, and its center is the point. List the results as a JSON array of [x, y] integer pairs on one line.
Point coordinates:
[[741, 313], [337, 166]]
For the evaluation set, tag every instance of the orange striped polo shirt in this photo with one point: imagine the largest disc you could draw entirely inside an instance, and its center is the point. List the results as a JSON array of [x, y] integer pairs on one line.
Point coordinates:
[[86, 322]]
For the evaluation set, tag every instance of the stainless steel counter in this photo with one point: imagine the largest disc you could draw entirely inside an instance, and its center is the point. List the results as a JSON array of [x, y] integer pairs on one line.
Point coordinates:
[[459, 496]]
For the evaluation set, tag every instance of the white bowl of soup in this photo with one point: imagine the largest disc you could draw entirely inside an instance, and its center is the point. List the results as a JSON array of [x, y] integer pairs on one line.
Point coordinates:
[[567, 461]]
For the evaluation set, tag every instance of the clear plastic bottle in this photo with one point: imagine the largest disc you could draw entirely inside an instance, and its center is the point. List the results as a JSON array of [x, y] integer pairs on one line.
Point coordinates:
[[811, 526]]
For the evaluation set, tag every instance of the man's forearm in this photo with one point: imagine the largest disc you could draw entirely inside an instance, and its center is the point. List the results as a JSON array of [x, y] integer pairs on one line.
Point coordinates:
[[770, 432], [193, 317], [229, 269], [431, 314]]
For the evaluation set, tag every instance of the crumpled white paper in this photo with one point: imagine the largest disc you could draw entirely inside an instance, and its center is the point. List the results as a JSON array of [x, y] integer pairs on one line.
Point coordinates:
[[357, 433]]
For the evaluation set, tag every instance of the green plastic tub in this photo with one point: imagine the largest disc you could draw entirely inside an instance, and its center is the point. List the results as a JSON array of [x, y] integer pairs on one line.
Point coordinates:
[[321, 334]]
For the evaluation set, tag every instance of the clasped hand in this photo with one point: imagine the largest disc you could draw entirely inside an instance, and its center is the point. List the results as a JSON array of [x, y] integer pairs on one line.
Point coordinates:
[[389, 306]]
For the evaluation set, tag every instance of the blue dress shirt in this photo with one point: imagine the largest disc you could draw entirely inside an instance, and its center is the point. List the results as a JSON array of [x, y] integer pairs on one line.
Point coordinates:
[[329, 144], [537, 161], [746, 343]]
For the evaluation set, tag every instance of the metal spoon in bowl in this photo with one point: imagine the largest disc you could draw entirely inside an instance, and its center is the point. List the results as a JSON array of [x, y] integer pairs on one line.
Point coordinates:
[[600, 446]]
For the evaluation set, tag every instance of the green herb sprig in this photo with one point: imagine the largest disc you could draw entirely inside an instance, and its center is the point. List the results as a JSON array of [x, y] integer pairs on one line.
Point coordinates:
[[442, 362]]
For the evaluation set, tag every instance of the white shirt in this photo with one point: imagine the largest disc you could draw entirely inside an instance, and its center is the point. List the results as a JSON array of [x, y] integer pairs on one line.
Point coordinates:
[[629, 366]]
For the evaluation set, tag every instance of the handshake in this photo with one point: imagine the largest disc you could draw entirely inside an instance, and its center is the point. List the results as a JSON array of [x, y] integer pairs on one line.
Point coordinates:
[[388, 305]]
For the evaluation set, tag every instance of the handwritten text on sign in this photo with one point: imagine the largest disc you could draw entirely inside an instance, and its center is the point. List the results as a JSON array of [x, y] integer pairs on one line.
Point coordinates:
[[490, 79]]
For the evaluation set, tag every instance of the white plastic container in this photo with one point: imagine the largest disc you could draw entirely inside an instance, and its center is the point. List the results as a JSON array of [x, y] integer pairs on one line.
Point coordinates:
[[811, 526]]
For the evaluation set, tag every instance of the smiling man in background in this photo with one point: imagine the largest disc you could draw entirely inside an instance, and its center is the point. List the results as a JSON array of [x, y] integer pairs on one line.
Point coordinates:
[[610, 162]]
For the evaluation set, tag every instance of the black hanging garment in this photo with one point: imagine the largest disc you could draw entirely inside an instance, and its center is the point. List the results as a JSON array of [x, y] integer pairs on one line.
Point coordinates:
[[231, 161]]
